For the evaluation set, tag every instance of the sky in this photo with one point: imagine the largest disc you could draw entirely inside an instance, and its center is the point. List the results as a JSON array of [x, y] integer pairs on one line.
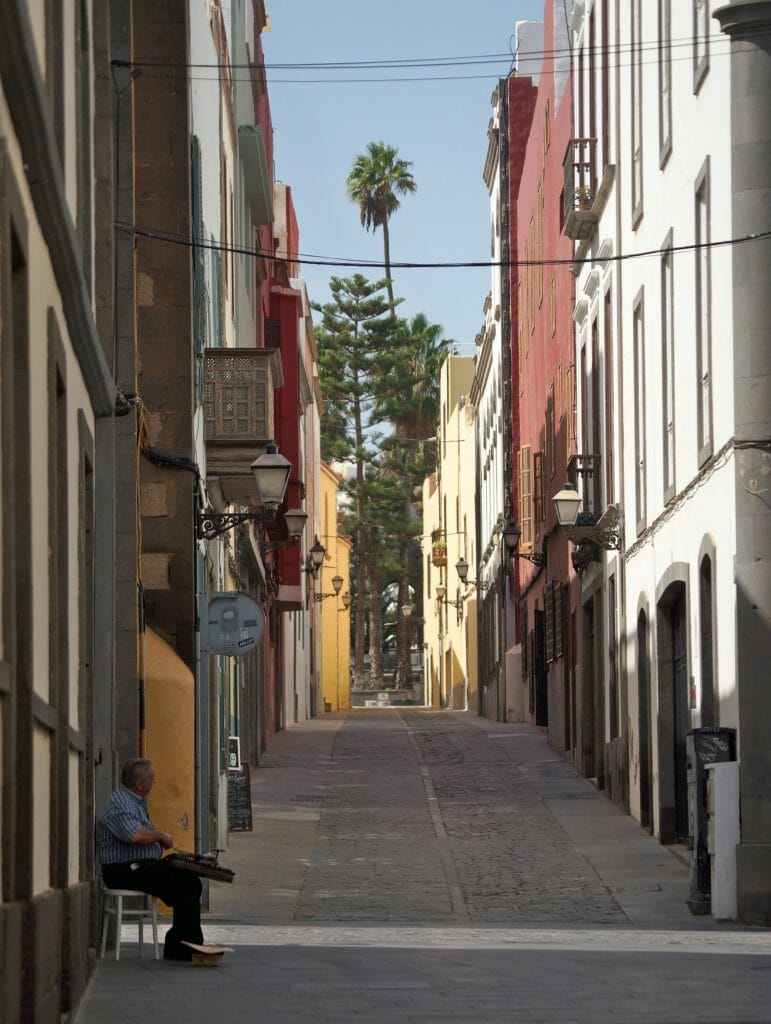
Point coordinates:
[[441, 126]]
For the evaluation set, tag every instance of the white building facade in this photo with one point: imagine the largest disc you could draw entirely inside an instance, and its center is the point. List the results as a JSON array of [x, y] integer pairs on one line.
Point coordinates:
[[649, 187]]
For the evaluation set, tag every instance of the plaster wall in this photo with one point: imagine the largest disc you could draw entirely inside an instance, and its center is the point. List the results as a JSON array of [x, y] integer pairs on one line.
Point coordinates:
[[671, 524]]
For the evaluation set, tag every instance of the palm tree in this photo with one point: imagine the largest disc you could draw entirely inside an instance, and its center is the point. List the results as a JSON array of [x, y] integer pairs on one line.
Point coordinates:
[[375, 181]]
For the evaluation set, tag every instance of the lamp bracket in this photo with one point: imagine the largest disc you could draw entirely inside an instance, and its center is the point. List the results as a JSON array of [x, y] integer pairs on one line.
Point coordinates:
[[537, 557], [591, 536], [323, 597], [213, 524]]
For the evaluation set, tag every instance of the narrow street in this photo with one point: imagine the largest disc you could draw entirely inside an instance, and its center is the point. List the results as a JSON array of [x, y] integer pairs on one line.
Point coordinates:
[[410, 866]]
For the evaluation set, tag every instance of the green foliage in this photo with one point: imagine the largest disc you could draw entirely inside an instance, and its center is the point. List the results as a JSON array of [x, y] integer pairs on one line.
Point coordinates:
[[351, 331], [376, 180], [380, 371]]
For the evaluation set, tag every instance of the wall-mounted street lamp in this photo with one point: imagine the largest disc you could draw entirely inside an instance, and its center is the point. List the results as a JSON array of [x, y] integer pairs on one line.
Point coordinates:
[[406, 610], [461, 567], [346, 599], [587, 528], [511, 538], [337, 586], [271, 475], [295, 519], [315, 558], [441, 596]]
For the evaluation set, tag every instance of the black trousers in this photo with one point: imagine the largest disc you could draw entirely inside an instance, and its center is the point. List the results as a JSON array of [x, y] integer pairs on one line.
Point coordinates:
[[180, 889]]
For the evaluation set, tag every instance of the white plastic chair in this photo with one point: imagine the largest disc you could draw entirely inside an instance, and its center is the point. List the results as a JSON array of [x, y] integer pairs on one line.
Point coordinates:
[[147, 910]]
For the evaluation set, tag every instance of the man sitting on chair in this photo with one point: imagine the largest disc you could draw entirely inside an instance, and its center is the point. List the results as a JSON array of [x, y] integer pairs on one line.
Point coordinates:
[[129, 848]]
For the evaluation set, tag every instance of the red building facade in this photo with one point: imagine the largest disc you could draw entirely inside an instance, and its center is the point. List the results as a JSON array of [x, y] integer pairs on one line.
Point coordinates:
[[543, 390]]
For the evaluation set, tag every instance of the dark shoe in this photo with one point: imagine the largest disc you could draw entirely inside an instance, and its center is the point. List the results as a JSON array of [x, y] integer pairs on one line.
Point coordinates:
[[178, 953]]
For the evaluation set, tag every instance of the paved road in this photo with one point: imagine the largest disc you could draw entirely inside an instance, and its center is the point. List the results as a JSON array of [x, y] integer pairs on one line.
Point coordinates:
[[410, 866]]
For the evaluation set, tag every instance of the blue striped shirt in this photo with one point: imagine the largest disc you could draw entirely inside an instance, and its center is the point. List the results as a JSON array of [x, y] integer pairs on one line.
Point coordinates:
[[124, 814]]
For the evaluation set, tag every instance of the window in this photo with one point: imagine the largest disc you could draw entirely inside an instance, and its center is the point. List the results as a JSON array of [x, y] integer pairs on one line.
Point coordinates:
[[638, 341], [553, 305], [597, 434], [612, 659], [62, 874], [549, 433], [539, 239], [552, 603], [709, 711], [637, 120], [570, 411], [605, 84], [668, 369], [526, 496], [609, 418], [546, 128], [701, 24], [531, 276], [538, 489], [86, 628], [665, 80], [703, 316]]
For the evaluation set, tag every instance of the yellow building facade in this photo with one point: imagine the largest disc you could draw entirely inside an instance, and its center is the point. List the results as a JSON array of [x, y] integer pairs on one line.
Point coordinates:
[[334, 617], [449, 534]]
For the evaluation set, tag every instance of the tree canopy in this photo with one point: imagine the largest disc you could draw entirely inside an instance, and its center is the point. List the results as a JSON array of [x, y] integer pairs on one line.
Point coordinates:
[[375, 181]]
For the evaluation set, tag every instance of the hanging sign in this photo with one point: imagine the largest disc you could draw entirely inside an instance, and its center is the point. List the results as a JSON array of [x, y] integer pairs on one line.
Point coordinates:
[[236, 624]]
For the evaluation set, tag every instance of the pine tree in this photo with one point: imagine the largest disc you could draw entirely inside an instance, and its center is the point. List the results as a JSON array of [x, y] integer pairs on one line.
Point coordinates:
[[352, 331]]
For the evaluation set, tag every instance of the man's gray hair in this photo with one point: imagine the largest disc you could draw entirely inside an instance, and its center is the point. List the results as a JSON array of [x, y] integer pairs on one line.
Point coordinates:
[[134, 771]]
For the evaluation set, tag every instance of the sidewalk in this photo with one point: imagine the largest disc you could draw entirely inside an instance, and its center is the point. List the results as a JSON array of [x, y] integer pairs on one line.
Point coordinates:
[[432, 866]]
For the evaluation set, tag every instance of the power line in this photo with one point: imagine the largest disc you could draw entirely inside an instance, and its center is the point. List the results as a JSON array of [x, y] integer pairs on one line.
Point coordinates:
[[316, 261], [490, 77], [417, 62]]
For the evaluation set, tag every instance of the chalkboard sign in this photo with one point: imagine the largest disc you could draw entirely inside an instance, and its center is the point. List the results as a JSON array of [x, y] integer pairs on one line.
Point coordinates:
[[239, 800]]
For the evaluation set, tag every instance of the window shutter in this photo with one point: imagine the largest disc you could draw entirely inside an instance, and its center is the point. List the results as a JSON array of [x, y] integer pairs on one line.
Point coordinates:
[[526, 496], [548, 607], [538, 488], [559, 627], [523, 639]]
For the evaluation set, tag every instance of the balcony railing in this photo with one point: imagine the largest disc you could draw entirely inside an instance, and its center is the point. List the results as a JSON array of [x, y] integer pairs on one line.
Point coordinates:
[[580, 194]]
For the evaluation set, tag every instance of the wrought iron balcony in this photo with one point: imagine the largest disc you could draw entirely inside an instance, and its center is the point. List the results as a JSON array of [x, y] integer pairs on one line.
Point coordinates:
[[580, 216]]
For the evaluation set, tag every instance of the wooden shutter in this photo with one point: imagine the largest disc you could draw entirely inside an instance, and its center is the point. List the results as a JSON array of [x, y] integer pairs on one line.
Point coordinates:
[[526, 496], [559, 625], [548, 607]]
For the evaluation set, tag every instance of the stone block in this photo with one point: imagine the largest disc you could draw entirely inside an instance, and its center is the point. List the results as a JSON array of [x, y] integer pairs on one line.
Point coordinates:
[[154, 500], [42, 958], [155, 569], [77, 963], [10, 962], [144, 290], [753, 883]]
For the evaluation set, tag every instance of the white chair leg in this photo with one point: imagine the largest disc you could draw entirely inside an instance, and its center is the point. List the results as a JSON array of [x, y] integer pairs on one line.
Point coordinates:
[[118, 924], [154, 909], [105, 925]]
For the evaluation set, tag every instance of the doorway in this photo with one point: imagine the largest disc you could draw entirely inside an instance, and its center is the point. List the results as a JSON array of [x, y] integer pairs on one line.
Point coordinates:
[[644, 719], [673, 712], [592, 703]]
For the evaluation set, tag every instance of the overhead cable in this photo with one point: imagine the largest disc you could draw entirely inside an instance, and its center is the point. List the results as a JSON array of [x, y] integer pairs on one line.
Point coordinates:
[[309, 260]]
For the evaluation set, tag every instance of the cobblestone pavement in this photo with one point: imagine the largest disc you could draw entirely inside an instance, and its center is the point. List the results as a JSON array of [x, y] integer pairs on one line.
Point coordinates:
[[424, 866]]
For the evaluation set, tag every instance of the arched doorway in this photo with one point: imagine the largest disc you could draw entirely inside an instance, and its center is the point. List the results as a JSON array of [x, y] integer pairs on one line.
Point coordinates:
[[644, 720], [673, 712]]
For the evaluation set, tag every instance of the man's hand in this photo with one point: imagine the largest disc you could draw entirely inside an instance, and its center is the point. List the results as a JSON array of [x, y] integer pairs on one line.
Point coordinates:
[[145, 836]]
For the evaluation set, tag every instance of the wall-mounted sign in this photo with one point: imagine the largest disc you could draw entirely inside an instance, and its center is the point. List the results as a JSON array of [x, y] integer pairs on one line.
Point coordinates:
[[236, 624]]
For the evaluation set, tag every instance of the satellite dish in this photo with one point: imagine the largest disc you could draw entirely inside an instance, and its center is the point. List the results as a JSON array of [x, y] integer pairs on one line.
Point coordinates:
[[236, 623]]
